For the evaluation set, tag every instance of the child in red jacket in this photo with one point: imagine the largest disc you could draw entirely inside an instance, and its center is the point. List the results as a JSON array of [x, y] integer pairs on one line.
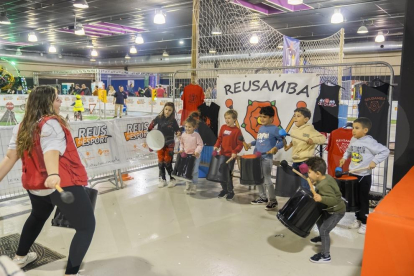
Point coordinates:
[[230, 145]]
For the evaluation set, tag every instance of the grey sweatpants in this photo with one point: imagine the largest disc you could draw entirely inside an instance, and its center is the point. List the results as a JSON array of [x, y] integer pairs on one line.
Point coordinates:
[[267, 189]]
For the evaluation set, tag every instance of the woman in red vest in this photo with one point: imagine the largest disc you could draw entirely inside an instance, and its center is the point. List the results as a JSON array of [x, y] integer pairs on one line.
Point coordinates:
[[49, 158]]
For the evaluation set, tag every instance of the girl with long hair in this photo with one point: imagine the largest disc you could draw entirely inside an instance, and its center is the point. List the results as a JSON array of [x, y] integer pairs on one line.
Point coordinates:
[[49, 157], [168, 125]]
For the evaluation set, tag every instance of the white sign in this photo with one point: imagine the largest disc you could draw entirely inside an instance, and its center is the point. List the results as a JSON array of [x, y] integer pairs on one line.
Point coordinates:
[[248, 93]]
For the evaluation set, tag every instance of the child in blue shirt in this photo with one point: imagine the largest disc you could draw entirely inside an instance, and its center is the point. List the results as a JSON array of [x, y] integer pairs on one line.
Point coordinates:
[[268, 142]]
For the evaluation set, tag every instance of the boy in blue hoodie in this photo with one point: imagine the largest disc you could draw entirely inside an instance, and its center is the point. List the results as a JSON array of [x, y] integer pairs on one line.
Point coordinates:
[[268, 143], [364, 151]]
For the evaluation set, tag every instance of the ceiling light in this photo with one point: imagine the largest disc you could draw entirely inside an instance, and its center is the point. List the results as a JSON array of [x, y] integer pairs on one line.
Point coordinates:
[[254, 39], [81, 4], [89, 45], [380, 37], [165, 53], [212, 51], [32, 37], [79, 29], [94, 53], [18, 52], [216, 31], [139, 39], [280, 46], [133, 50], [60, 56], [127, 56], [4, 19], [181, 42], [337, 17], [159, 17], [295, 2], [92, 59], [52, 48], [362, 30]]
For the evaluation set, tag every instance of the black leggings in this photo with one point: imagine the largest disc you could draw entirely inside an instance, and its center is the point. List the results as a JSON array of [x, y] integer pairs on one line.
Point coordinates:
[[80, 215]]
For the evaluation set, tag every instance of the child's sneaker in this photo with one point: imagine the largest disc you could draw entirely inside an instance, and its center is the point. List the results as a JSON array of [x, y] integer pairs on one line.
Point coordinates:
[[162, 183], [172, 182], [362, 229], [193, 189], [222, 194], [187, 187], [355, 225], [316, 240], [271, 205], [230, 196], [22, 262], [259, 201], [320, 258]]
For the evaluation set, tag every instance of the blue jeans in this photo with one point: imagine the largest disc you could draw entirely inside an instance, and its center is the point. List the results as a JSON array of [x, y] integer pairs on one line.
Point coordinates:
[[195, 170], [304, 183]]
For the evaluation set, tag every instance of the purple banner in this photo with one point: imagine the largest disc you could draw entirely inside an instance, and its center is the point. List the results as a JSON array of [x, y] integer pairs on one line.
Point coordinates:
[[291, 53]]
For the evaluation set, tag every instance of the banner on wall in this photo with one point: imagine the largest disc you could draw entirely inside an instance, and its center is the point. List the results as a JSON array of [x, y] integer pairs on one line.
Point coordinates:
[[291, 53], [248, 93]]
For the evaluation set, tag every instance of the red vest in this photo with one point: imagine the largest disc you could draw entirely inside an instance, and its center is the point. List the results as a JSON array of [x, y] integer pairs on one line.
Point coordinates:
[[71, 170]]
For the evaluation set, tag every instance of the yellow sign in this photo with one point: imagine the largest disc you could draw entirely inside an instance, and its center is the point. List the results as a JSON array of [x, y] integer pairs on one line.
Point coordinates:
[[102, 95]]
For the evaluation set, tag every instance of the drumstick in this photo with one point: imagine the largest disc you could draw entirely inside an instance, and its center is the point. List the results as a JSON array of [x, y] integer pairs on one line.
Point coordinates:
[[228, 161], [284, 164], [67, 197], [283, 133], [339, 172], [229, 104], [311, 186]]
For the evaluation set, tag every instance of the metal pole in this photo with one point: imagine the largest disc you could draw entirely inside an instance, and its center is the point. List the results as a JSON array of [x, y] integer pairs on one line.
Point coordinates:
[[194, 40]]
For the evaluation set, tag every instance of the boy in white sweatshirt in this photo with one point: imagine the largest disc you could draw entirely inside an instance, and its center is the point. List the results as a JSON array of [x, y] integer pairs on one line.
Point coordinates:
[[302, 150], [364, 151]]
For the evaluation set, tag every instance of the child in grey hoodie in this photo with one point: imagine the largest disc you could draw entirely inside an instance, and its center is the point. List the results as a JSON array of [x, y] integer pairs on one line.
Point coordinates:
[[364, 151]]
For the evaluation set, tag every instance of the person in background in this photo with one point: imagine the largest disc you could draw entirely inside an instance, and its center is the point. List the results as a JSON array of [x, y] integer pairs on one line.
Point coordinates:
[[179, 90], [111, 91], [160, 91], [45, 145], [207, 94], [148, 91], [131, 90], [19, 90], [140, 92], [214, 92], [85, 90], [119, 101], [71, 89], [95, 91], [78, 107], [77, 90]]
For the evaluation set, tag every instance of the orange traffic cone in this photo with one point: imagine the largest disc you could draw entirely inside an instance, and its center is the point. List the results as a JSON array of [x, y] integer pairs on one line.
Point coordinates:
[[126, 177]]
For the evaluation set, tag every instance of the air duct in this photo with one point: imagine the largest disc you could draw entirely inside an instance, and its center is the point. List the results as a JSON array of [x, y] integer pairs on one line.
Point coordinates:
[[351, 48]]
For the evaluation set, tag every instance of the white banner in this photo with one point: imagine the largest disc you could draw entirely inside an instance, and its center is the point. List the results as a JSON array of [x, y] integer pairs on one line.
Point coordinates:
[[248, 93], [103, 146]]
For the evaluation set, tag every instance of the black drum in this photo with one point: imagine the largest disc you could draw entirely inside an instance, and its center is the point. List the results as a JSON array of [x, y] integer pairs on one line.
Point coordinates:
[[350, 191], [251, 172], [301, 212], [184, 167], [219, 171], [287, 182]]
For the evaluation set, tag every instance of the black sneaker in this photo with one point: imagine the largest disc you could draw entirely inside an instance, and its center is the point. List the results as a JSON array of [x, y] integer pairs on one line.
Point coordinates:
[[222, 194], [230, 196], [316, 240], [320, 258], [271, 205], [259, 201]]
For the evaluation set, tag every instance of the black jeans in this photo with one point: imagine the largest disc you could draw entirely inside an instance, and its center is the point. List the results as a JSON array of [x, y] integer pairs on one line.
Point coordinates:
[[80, 215], [228, 187], [325, 224], [364, 188]]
